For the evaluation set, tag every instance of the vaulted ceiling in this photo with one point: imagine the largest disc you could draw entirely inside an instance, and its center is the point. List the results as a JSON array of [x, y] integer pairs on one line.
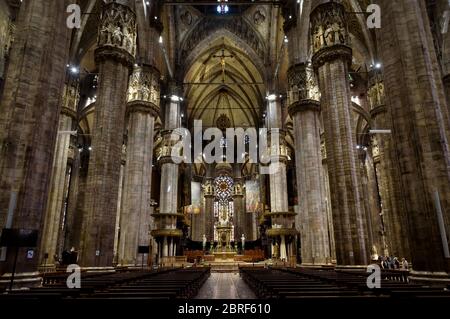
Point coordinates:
[[224, 81], [195, 37]]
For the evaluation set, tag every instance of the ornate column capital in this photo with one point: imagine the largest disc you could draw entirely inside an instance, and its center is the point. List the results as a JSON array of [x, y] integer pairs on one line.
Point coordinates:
[[144, 90], [302, 84], [330, 36], [116, 34], [279, 151], [71, 97], [169, 153]]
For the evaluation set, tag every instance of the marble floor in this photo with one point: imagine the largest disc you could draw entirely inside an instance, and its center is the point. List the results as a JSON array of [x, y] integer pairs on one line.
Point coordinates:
[[225, 286]]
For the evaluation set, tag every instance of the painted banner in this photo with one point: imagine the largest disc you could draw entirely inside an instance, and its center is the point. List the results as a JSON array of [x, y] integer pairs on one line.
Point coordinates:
[[252, 196]]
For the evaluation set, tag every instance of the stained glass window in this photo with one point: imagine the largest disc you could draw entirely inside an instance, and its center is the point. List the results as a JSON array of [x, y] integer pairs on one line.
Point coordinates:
[[223, 188]]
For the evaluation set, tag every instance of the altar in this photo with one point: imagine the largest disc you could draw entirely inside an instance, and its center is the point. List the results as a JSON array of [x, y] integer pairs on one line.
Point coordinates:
[[224, 255]]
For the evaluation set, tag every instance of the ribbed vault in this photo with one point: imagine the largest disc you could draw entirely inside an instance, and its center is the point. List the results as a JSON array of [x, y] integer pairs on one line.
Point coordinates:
[[224, 80]]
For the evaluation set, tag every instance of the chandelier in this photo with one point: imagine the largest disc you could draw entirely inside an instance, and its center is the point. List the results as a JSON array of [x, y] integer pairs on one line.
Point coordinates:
[[222, 8]]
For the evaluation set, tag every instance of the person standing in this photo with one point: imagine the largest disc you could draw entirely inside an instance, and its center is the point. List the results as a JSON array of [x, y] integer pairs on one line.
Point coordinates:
[[405, 264]]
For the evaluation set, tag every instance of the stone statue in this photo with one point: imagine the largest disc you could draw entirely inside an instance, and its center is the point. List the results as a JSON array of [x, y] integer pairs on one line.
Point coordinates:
[[329, 35], [243, 242], [117, 36], [204, 241], [275, 250], [381, 93], [127, 39], [318, 38], [341, 33]]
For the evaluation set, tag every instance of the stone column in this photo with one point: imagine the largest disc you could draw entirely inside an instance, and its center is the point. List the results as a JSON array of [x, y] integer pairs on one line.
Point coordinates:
[[198, 225], [117, 233], [242, 223], [326, 199], [331, 60], [115, 58], [166, 219], [304, 107], [369, 193], [282, 221], [416, 105], [77, 192], [392, 202], [142, 110], [58, 188], [29, 117], [197, 217], [208, 191]]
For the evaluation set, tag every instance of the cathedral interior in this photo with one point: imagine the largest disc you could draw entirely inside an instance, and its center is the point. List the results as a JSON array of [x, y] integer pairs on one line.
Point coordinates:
[[96, 96]]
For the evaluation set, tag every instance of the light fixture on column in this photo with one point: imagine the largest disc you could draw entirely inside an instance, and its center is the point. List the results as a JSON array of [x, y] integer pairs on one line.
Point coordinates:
[[175, 98], [376, 65], [73, 69], [222, 8], [272, 97]]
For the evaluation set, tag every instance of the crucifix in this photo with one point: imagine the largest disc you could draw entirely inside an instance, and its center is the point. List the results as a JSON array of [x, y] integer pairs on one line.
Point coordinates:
[[222, 58]]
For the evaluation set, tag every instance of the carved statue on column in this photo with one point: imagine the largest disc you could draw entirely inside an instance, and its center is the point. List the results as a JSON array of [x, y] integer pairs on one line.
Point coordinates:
[[118, 28], [375, 147], [329, 26], [144, 85], [302, 84], [375, 92]]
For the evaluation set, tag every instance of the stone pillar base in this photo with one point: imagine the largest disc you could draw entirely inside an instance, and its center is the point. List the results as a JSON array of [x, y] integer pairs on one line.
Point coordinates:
[[440, 279], [98, 269], [22, 281], [350, 267]]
